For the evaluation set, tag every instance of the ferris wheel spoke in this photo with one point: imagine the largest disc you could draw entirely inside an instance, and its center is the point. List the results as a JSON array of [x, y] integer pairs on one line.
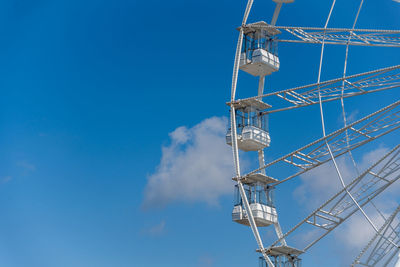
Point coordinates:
[[336, 36], [340, 207], [382, 248], [355, 85], [341, 36], [359, 133]]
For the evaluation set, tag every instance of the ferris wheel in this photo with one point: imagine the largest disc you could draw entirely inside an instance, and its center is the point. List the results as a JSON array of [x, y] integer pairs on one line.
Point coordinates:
[[256, 54]]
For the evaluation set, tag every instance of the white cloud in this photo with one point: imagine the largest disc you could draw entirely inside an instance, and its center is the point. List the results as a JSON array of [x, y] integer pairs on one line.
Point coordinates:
[[6, 179], [357, 232], [352, 116], [372, 157], [206, 261], [155, 230], [196, 166], [353, 235], [26, 166], [323, 182]]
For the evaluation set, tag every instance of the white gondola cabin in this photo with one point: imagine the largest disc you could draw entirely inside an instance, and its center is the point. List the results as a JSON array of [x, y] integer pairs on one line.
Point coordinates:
[[259, 55], [261, 201], [251, 125]]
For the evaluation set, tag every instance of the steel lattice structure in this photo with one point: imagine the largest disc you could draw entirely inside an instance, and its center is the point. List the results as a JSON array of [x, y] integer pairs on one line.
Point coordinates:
[[379, 251], [366, 187], [359, 84], [361, 132], [338, 36], [255, 55]]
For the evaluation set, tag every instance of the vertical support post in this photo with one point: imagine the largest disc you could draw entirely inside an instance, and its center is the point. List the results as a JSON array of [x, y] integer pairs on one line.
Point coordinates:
[[261, 160], [276, 13], [279, 233], [261, 83], [253, 196]]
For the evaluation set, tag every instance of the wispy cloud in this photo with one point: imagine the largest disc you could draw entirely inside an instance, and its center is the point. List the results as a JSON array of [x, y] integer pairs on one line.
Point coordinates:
[[6, 179], [155, 230], [206, 261], [195, 167], [350, 117], [323, 181], [356, 232], [26, 166]]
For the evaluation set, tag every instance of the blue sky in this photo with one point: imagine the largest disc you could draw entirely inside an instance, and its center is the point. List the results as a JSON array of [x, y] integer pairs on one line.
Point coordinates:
[[96, 93]]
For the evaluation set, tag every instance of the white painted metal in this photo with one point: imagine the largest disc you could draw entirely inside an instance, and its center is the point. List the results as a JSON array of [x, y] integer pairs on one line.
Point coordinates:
[[344, 116], [261, 160], [361, 132], [247, 104], [382, 249], [264, 215], [255, 55], [252, 126], [250, 139], [283, 1], [258, 56], [354, 85], [285, 250], [279, 233], [276, 12], [256, 178], [338, 36], [340, 207], [261, 83], [261, 200], [328, 146], [284, 256], [235, 149], [260, 27], [259, 62]]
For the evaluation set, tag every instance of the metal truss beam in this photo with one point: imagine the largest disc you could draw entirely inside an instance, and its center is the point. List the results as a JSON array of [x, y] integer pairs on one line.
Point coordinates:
[[337, 36], [354, 85], [382, 248], [340, 207], [359, 133]]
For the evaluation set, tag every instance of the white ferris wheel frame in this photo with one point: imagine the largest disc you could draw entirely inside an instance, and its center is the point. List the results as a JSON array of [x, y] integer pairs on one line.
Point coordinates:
[[371, 127]]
